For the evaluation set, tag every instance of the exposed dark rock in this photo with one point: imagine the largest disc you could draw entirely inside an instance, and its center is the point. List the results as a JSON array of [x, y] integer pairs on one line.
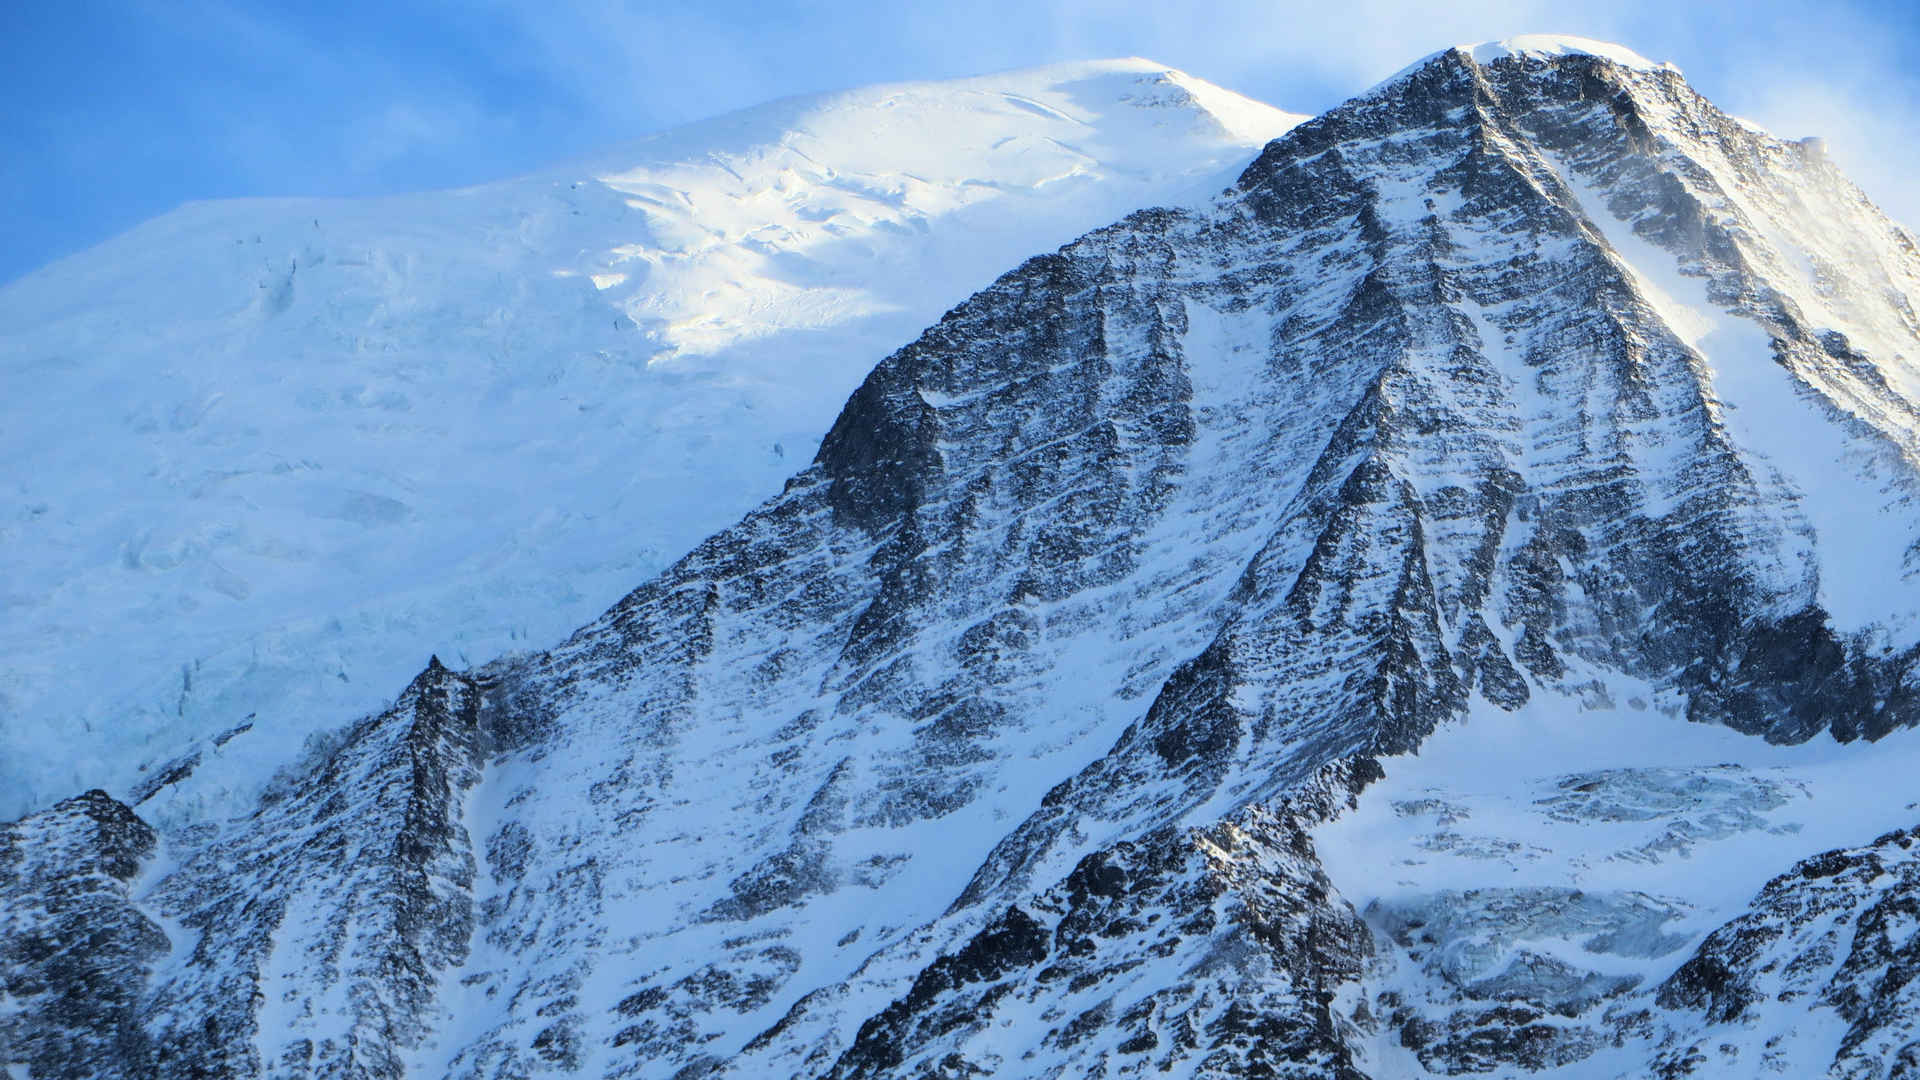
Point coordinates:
[[75, 948], [1835, 931]]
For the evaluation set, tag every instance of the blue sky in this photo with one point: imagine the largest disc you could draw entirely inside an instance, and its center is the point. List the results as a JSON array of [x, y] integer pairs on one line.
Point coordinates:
[[116, 112]]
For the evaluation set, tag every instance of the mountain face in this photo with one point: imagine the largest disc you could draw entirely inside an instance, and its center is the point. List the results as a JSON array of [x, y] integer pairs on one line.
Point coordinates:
[[267, 454], [1443, 607]]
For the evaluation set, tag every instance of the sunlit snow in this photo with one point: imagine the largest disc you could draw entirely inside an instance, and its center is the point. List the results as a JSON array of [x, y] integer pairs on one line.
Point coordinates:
[[264, 456]]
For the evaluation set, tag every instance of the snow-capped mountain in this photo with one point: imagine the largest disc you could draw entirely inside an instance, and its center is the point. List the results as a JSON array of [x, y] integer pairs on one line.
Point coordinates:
[[1440, 607], [268, 454]]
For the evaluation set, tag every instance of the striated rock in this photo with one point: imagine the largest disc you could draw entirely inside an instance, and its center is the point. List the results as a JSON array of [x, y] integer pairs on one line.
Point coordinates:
[[75, 946], [1208, 952], [1837, 931]]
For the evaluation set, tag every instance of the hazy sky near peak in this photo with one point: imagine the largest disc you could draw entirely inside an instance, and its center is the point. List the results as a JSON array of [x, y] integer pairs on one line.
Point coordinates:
[[117, 112]]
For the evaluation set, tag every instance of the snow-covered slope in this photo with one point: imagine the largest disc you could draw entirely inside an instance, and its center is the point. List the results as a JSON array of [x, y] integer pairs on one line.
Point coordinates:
[[1554, 890], [267, 455], [1058, 719]]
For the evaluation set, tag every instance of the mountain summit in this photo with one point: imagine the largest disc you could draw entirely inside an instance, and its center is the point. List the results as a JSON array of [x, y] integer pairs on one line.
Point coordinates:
[[1060, 719]]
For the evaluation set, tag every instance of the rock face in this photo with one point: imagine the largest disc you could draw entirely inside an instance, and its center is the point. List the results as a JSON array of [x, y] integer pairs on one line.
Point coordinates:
[[1836, 931], [997, 743], [358, 899], [74, 945]]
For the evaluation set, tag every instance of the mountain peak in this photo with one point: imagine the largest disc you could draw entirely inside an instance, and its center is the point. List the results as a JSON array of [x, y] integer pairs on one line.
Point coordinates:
[[1547, 46], [897, 122]]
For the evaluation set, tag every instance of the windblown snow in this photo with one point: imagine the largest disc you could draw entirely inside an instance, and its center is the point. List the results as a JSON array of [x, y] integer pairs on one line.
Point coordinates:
[[264, 456], [1554, 45]]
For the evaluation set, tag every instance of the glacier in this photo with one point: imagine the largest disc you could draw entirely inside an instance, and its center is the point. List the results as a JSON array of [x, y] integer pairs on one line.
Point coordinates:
[[268, 454]]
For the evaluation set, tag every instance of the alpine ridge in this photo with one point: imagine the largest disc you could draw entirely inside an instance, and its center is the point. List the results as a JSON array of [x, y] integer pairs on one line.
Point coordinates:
[[1444, 606]]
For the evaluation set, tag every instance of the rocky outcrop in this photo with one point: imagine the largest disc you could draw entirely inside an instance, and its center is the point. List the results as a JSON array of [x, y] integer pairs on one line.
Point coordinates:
[[75, 946], [1210, 951], [1838, 932], [308, 939]]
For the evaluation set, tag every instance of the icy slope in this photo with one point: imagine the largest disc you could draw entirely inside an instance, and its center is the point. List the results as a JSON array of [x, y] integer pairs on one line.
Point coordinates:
[[1007, 739], [267, 455], [1595, 891]]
